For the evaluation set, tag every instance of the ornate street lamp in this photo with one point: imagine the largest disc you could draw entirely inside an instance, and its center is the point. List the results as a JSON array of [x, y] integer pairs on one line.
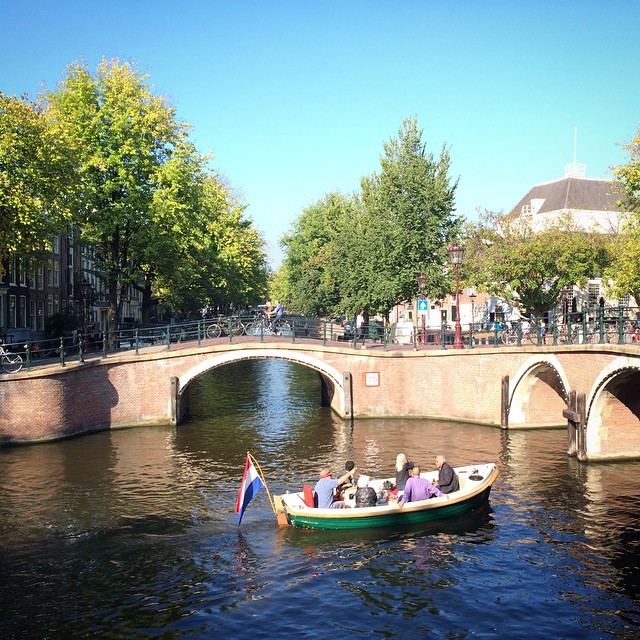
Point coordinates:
[[456, 254], [564, 292], [472, 297], [85, 290], [422, 280]]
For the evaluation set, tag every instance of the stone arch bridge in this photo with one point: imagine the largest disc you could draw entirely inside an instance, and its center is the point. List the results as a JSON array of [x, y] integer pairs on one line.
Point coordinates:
[[592, 390]]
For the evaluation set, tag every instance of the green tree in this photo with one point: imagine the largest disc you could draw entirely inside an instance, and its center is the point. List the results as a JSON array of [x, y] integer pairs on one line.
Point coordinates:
[[37, 179], [629, 176], [125, 136], [311, 264], [506, 257], [623, 273], [404, 227]]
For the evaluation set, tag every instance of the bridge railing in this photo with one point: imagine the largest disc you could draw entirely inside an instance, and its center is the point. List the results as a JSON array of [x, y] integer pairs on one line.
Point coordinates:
[[597, 325]]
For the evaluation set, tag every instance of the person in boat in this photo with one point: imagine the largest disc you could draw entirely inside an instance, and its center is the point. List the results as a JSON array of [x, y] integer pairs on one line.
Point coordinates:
[[403, 469], [326, 486], [349, 465], [447, 480], [366, 496], [417, 488]]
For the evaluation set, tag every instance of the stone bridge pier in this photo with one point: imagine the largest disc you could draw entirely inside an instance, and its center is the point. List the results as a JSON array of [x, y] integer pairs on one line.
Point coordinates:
[[508, 387]]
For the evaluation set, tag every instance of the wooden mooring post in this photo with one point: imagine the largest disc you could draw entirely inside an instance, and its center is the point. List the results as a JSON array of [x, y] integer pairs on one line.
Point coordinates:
[[576, 426], [504, 403]]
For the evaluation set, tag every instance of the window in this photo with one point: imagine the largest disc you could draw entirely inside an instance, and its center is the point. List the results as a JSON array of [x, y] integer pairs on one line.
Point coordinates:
[[22, 318], [594, 294], [12, 312], [40, 326], [12, 271], [53, 273], [454, 312], [49, 305], [32, 316]]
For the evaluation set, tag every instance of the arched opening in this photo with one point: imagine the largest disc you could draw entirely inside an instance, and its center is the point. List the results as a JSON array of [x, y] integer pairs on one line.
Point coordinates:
[[332, 392], [538, 398], [613, 420]]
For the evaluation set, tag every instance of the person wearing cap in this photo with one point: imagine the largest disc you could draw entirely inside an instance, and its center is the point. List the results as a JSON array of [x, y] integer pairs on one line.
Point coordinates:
[[326, 486]]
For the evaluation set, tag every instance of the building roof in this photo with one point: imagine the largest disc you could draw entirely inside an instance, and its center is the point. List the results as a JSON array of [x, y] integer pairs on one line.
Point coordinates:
[[570, 193]]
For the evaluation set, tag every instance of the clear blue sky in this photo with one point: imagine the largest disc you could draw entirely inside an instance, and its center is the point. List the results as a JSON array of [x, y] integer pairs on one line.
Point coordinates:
[[296, 99]]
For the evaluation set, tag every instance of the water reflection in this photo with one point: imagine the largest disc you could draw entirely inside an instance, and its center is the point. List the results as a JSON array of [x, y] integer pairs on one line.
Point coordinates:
[[131, 533]]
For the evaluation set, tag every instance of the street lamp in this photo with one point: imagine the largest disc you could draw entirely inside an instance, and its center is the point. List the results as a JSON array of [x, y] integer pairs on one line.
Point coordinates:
[[455, 255], [472, 297], [85, 288], [422, 280], [564, 292]]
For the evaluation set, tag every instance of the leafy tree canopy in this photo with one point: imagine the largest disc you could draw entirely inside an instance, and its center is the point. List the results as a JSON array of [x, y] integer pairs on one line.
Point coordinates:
[[505, 257], [37, 179]]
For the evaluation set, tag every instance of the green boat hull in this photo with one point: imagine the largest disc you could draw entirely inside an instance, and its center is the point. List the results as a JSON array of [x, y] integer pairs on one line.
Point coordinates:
[[394, 518]]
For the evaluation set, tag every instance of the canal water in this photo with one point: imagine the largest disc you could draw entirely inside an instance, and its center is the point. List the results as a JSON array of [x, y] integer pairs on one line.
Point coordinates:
[[132, 534]]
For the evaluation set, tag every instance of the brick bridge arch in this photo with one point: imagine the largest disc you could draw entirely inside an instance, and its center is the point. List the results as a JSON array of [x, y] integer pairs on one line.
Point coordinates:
[[333, 382], [538, 393], [613, 411]]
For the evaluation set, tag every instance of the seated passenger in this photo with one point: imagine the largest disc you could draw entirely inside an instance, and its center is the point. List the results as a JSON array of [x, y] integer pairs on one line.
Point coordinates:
[[403, 468], [326, 486], [418, 488], [447, 478], [365, 495], [349, 465]]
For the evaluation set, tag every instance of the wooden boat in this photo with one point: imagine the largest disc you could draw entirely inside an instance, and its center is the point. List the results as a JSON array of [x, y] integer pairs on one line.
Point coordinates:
[[475, 486]]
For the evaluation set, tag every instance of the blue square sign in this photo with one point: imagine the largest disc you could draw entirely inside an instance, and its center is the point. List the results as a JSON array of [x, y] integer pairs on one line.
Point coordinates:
[[423, 305]]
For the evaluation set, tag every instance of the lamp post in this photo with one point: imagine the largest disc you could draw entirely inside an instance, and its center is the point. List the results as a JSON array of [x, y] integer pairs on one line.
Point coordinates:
[[564, 292], [84, 287], [456, 254], [421, 280], [472, 297]]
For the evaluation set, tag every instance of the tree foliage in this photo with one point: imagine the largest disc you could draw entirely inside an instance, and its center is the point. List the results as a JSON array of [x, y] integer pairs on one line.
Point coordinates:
[[311, 266], [365, 251], [505, 257], [406, 224], [623, 273], [149, 206], [37, 179]]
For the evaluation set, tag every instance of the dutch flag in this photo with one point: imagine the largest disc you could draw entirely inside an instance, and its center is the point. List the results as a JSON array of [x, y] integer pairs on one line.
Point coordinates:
[[251, 484]]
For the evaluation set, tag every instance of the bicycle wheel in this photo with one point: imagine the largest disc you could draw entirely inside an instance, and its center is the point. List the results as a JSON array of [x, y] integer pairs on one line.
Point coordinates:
[[506, 338], [11, 363], [237, 328], [284, 328], [255, 328], [214, 330]]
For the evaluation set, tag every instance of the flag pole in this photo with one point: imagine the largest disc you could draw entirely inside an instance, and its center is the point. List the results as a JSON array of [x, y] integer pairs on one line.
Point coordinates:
[[257, 465]]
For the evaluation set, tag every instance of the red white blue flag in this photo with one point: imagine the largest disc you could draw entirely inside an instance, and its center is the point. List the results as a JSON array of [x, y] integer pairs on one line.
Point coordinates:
[[251, 484]]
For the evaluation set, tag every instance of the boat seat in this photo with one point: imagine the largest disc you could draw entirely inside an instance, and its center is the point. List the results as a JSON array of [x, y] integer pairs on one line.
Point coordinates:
[[310, 498]]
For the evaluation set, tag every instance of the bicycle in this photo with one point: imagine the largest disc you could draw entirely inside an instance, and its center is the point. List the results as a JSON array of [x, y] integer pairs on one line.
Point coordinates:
[[510, 336], [259, 326], [10, 362], [221, 326]]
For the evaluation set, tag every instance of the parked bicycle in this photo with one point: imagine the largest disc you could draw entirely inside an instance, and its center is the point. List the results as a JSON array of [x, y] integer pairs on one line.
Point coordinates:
[[262, 325], [510, 336], [222, 326], [10, 362]]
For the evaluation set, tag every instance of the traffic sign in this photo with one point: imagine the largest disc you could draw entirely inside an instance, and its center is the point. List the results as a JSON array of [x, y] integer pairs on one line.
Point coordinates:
[[423, 305]]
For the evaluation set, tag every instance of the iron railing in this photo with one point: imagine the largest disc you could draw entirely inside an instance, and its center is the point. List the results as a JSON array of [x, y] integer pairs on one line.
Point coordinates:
[[599, 325]]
